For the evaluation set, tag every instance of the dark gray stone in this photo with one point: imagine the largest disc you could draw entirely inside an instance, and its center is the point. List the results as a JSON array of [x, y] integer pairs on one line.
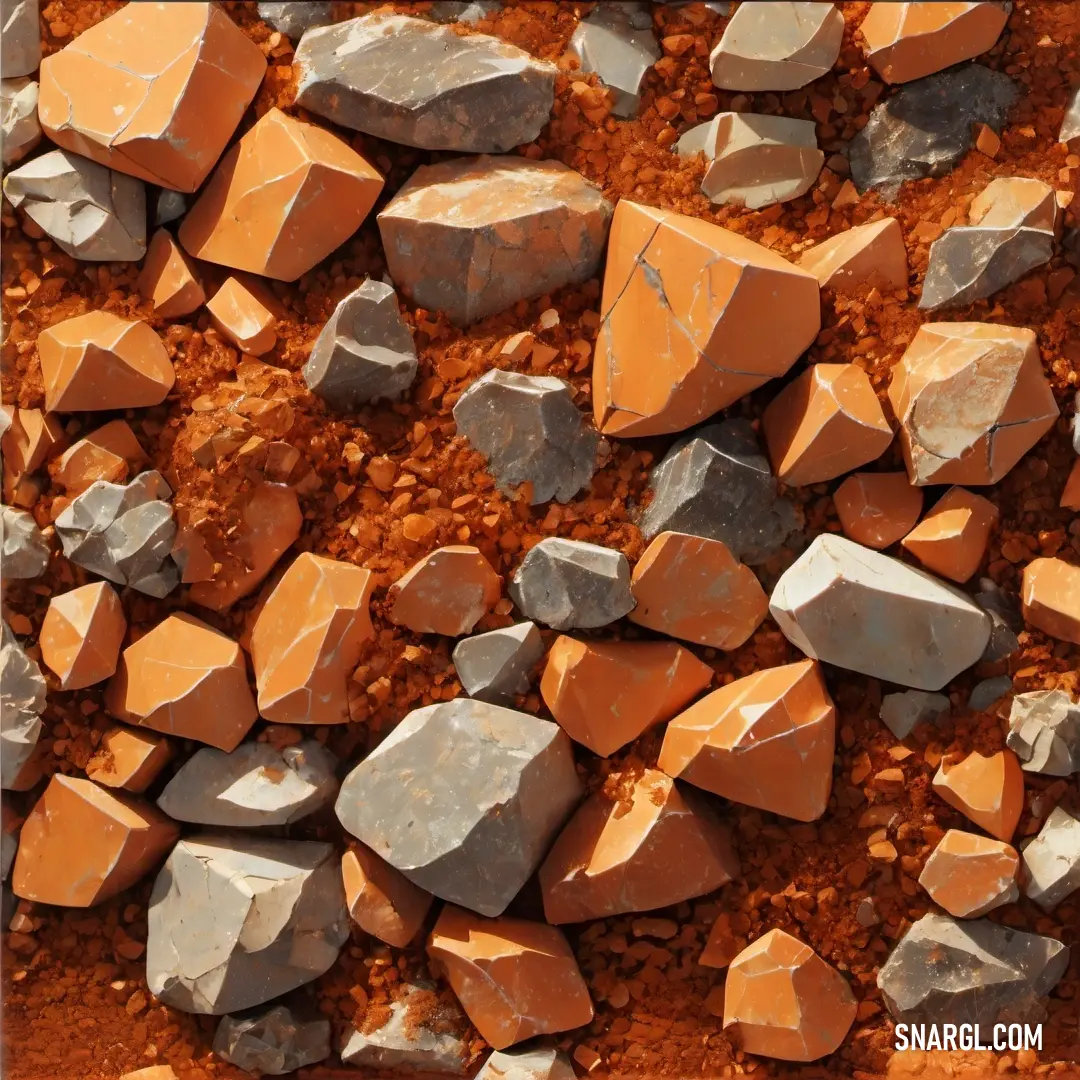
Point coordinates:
[[528, 1063], [1052, 860], [1005, 620], [20, 130], [22, 701], [466, 11], [1044, 732], [25, 550], [169, 206], [292, 19], [272, 1042], [987, 693], [496, 666], [20, 37], [901, 713], [616, 41]]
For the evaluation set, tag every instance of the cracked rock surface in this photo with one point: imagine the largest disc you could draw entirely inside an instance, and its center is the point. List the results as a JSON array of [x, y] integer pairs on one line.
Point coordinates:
[[616, 41], [25, 550], [22, 701], [272, 1042], [1044, 732]]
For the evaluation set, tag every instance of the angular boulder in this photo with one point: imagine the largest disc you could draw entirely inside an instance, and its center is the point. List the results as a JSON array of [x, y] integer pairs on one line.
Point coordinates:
[[243, 313], [1052, 860], [272, 1042], [81, 635], [496, 666], [110, 452], [447, 592], [292, 19], [21, 37], [988, 789], [617, 42], [530, 1063], [129, 759], [969, 875], [22, 701], [168, 280], [952, 539], [877, 509], [1044, 732], [25, 550], [20, 131], [1050, 594], [865, 255], [382, 901]]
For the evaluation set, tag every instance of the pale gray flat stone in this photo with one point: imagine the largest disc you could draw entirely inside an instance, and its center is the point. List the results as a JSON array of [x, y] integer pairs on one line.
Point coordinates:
[[901, 713], [22, 701], [25, 550], [20, 37], [1052, 860], [272, 1042], [495, 667], [20, 130], [292, 19], [616, 41], [1044, 732], [527, 1063]]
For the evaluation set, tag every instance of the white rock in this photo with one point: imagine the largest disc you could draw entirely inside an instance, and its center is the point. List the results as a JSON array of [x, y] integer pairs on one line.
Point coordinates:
[[22, 700], [25, 550], [21, 37], [1044, 732], [19, 126], [1052, 860]]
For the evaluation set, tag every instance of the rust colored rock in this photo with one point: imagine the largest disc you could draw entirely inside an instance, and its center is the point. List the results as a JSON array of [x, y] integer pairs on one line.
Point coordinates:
[[1051, 598], [82, 844], [243, 313], [447, 592], [969, 875], [514, 978], [155, 90], [766, 740], [306, 641], [110, 452], [184, 678], [29, 441], [781, 1000], [988, 790], [824, 424], [952, 539], [382, 901], [604, 694], [281, 200], [82, 633], [662, 846], [871, 254], [168, 280], [683, 305], [877, 509], [129, 759], [693, 588]]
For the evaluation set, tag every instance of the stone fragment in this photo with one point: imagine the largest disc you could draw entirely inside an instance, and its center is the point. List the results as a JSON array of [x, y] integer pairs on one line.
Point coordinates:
[[902, 713], [302, 664], [988, 692], [242, 312], [863, 611], [282, 199], [781, 1000], [530, 1063], [866, 255], [604, 694], [255, 784], [530, 431], [170, 206], [168, 280], [877, 509], [777, 46], [82, 844], [20, 131], [237, 920], [514, 978], [81, 635], [1051, 598], [1044, 732], [765, 740], [1052, 860], [969, 875], [567, 583], [155, 91], [1005, 620], [128, 759], [971, 399], [30, 438], [25, 550], [988, 790], [473, 236], [293, 19], [152, 1072], [272, 1042], [382, 901], [420, 84], [1070, 122], [21, 37], [620, 47], [952, 539], [22, 701], [447, 592], [465, 11], [662, 845], [365, 352], [693, 588], [464, 799], [187, 679], [111, 452], [497, 666]]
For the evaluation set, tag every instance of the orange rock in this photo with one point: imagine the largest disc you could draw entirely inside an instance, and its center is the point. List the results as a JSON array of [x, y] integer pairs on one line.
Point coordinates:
[[951, 540], [307, 639], [877, 509], [514, 978], [825, 423], [870, 254], [382, 901], [82, 844], [281, 200], [155, 91], [446, 592], [111, 452], [184, 678], [128, 759], [604, 694], [244, 314], [781, 1000], [82, 633], [683, 305], [661, 846], [152, 1072], [101, 361], [766, 740], [988, 790], [969, 875], [168, 279], [1070, 496], [26, 445], [1051, 598]]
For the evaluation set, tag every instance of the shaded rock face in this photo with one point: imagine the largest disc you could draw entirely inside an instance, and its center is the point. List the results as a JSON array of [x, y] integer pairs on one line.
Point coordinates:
[[496, 666], [902, 712], [1052, 860], [617, 42], [292, 19], [1044, 732], [272, 1042], [22, 701], [20, 131], [25, 550]]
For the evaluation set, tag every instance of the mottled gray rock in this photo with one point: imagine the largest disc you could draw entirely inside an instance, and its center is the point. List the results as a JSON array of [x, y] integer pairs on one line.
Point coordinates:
[[717, 483], [273, 1041], [1052, 860], [1044, 732], [901, 713], [237, 920], [170, 206], [987, 693], [496, 666], [255, 784], [91, 212], [25, 550], [420, 84], [1070, 122], [618, 43], [464, 798], [466, 11], [927, 126], [20, 130], [124, 532], [20, 37], [22, 701], [365, 352], [944, 970], [292, 19], [567, 583], [527, 1063]]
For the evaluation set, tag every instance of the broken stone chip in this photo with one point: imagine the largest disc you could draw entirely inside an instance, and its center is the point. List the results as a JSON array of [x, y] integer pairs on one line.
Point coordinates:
[[382, 901], [420, 84], [464, 799], [497, 666], [1052, 860], [530, 431], [781, 1000], [529, 1063], [155, 91], [81, 635], [1070, 122], [273, 1041], [902, 713], [473, 236], [110, 452], [30, 438], [863, 611], [1051, 598], [1044, 732], [514, 978], [242, 312], [237, 920], [22, 701], [972, 399], [170, 206], [988, 790], [1005, 620], [988, 692], [447, 592], [20, 131], [660, 846], [21, 37], [81, 844], [168, 280], [969, 875], [866, 255], [877, 509], [281, 200], [25, 550], [293, 19], [952, 539], [129, 759]]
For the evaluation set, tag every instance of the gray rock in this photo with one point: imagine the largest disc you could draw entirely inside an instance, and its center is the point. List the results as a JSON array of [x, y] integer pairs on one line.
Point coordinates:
[[123, 532], [20, 37], [365, 352], [927, 126], [527, 1063], [1044, 732], [20, 130], [448, 11], [253, 785], [464, 798], [944, 970], [272, 1042], [1052, 860], [1070, 122], [717, 483], [420, 84], [529, 429], [901, 713], [866, 913], [567, 583], [25, 550], [495, 667], [987, 693], [1005, 620], [22, 701], [617, 42], [91, 212], [170, 206], [237, 920], [1075, 426], [292, 19]]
